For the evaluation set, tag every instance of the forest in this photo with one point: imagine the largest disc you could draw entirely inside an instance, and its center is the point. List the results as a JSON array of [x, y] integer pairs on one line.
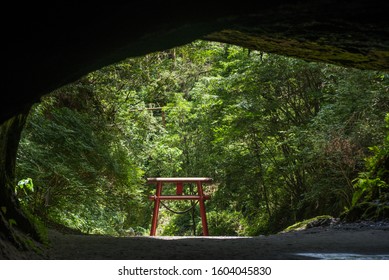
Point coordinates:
[[283, 139]]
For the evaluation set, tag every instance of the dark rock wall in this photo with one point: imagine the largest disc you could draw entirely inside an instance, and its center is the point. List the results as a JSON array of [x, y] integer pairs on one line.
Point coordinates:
[[352, 34], [51, 45]]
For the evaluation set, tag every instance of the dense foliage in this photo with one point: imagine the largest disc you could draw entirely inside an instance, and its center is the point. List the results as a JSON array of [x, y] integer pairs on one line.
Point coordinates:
[[283, 139], [371, 196]]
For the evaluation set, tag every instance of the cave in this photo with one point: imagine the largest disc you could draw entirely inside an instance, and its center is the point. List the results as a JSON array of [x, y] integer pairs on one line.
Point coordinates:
[[48, 46]]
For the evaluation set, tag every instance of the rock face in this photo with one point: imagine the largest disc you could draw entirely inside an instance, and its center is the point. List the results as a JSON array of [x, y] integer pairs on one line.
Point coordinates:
[[49, 46], [58, 44], [352, 34]]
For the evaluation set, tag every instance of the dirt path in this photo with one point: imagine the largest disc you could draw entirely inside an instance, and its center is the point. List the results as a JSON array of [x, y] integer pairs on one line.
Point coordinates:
[[350, 242]]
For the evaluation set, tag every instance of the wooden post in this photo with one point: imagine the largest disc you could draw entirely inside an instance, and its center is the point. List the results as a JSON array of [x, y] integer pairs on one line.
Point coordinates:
[[202, 209], [156, 209]]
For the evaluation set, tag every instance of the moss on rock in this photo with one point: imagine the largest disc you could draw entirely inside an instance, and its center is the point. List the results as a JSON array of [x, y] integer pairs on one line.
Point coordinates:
[[323, 220]]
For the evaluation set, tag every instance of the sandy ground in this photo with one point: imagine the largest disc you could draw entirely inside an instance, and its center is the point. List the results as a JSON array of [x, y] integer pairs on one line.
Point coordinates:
[[353, 241]]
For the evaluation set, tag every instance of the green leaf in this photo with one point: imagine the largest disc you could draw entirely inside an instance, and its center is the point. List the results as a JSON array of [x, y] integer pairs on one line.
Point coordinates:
[[12, 222]]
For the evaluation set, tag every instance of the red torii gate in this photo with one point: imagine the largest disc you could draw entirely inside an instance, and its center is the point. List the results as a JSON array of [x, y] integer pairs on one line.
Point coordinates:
[[179, 181]]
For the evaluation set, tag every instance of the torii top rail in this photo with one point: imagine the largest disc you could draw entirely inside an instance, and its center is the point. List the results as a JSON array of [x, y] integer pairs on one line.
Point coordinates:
[[179, 181]]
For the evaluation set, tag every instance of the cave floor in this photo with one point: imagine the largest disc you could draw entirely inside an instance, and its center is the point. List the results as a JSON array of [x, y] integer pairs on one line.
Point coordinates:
[[352, 242]]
